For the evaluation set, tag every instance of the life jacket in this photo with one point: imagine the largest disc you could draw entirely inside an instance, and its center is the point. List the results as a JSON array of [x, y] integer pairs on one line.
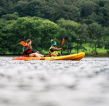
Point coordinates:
[[52, 53], [28, 52]]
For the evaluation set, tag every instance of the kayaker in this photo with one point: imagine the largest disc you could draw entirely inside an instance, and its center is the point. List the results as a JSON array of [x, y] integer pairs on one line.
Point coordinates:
[[53, 51], [28, 50]]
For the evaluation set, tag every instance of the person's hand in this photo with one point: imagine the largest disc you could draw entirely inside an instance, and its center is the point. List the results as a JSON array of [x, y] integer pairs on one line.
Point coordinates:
[[61, 48]]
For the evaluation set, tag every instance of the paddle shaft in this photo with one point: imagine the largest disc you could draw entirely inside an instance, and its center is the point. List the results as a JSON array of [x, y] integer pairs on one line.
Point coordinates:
[[61, 50], [62, 44]]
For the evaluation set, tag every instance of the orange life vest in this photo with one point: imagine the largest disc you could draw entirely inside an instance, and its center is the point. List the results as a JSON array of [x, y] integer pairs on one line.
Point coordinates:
[[29, 51]]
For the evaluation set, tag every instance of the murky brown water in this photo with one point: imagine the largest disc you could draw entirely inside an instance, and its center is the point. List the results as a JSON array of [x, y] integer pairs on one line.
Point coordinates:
[[54, 83]]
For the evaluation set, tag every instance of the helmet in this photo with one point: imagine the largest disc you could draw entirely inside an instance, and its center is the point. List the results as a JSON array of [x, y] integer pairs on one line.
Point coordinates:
[[53, 43]]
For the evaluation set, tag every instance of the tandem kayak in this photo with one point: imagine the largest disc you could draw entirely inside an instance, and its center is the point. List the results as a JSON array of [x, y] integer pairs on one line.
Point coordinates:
[[78, 56]]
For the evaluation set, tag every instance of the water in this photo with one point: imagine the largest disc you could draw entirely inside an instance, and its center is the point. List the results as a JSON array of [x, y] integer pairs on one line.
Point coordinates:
[[54, 83]]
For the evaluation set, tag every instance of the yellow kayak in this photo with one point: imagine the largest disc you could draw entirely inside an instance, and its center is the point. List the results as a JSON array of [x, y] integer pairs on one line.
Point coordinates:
[[78, 56]]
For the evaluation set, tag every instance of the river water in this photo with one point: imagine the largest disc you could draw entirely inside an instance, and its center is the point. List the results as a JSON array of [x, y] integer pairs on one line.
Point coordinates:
[[54, 83]]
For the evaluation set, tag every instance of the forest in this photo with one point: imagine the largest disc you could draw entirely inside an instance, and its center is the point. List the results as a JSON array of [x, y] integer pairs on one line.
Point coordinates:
[[83, 23]]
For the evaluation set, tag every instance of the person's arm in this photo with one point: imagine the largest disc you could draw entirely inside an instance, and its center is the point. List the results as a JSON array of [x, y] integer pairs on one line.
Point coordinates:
[[33, 51], [26, 49], [56, 49]]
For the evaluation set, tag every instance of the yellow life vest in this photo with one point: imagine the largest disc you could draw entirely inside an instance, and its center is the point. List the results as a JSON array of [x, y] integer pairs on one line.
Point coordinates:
[[54, 53]]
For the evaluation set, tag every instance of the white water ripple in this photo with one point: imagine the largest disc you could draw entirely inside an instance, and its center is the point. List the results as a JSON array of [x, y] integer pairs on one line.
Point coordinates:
[[54, 83]]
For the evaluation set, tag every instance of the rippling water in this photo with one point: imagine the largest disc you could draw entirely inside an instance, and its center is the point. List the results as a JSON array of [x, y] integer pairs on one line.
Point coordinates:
[[54, 83]]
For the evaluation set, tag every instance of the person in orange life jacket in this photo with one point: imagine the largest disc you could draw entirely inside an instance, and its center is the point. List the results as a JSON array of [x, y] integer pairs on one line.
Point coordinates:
[[53, 49], [29, 52]]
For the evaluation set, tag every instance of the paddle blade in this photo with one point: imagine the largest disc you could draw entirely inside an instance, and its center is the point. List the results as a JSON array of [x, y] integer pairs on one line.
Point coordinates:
[[63, 40], [23, 43]]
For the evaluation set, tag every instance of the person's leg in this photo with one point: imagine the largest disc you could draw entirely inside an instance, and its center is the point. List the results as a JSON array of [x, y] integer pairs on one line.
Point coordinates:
[[34, 55], [41, 55]]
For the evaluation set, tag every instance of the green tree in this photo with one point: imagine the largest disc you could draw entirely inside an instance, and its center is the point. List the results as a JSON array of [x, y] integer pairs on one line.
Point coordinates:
[[82, 38], [10, 16], [88, 8], [106, 38], [95, 31], [37, 29], [3, 37], [71, 33]]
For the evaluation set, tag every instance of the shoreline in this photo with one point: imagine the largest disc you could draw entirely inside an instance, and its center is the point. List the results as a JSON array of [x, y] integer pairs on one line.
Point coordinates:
[[86, 55], [97, 55]]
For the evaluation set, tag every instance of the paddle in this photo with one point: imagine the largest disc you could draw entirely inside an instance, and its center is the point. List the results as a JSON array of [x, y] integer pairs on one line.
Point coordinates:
[[23, 43], [63, 40]]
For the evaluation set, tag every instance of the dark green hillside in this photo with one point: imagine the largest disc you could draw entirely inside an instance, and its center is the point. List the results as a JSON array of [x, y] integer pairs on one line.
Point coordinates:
[[83, 23]]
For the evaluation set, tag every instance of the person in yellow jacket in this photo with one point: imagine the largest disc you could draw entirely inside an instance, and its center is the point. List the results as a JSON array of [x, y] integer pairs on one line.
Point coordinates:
[[53, 51]]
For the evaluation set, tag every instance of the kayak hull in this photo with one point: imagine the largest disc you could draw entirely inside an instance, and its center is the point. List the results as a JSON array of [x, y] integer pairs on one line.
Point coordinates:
[[77, 57]]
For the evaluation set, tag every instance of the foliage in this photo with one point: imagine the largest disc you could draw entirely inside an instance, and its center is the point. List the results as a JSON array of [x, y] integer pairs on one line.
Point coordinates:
[[76, 10], [78, 21], [40, 31], [10, 16], [71, 29]]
